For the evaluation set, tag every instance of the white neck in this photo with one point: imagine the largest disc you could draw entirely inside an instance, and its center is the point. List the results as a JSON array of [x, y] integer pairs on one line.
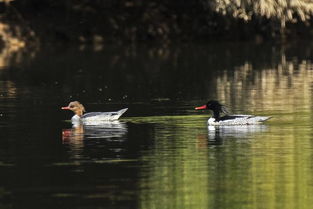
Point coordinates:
[[75, 118]]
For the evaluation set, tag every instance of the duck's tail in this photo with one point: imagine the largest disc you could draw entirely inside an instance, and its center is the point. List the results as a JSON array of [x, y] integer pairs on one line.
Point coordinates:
[[120, 113], [262, 118]]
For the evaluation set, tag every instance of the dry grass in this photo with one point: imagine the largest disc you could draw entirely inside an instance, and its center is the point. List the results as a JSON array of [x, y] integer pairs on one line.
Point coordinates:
[[282, 10]]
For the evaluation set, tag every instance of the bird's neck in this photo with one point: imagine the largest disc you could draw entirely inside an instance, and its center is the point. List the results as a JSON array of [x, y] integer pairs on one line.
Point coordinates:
[[79, 113], [216, 115]]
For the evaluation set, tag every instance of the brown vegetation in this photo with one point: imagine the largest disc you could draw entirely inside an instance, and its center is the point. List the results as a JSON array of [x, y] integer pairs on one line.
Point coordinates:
[[163, 21]]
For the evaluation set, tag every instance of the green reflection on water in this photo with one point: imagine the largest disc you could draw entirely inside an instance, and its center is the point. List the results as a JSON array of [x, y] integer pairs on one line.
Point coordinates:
[[258, 168]]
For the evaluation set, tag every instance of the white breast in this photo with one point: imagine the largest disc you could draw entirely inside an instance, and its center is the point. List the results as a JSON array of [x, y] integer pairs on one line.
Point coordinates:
[[212, 122], [76, 119]]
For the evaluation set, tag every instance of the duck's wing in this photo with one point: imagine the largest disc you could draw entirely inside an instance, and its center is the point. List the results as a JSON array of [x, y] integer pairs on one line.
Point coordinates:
[[261, 118], [234, 117], [104, 115], [93, 114], [243, 119]]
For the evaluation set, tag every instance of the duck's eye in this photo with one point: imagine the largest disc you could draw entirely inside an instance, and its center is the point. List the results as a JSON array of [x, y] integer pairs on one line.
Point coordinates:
[[71, 106]]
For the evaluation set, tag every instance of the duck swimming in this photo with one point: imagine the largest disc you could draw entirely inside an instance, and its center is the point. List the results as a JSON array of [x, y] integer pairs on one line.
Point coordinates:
[[92, 118], [219, 109]]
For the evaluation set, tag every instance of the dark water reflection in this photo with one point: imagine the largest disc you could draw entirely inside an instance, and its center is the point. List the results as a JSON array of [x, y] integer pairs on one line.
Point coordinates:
[[161, 154]]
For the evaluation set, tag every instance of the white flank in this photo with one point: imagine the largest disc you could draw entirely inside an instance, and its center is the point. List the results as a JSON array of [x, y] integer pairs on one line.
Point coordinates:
[[240, 120], [96, 118]]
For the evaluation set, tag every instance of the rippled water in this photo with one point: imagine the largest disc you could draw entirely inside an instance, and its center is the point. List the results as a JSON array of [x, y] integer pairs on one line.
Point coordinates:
[[161, 154]]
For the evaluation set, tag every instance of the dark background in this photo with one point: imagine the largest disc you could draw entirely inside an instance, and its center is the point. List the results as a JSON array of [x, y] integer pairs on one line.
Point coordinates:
[[162, 21]]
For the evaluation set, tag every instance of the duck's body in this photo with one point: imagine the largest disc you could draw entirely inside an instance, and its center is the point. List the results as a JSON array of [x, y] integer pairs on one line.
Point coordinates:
[[237, 120], [92, 118], [98, 117], [217, 120]]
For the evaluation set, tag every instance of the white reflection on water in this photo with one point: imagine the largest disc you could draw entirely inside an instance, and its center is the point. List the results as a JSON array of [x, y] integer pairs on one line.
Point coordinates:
[[104, 130], [242, 131], [77, 136]]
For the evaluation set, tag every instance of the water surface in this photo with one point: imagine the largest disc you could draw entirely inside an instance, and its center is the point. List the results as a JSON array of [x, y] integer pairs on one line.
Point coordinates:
[[161, 154]]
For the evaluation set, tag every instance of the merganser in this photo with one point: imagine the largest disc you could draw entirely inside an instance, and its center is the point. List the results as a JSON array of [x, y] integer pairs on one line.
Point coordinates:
[[92, 118], [219, 109]]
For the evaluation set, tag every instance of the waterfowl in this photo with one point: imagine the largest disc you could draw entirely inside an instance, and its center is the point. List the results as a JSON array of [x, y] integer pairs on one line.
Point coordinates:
[[92, 118], [218, 109]]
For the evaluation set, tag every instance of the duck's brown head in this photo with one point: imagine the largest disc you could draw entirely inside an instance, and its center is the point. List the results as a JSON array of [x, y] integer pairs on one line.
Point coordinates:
[[76, 107]]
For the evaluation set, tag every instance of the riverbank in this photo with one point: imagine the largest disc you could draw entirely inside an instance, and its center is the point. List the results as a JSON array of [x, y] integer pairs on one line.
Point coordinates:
[[132, 21]]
